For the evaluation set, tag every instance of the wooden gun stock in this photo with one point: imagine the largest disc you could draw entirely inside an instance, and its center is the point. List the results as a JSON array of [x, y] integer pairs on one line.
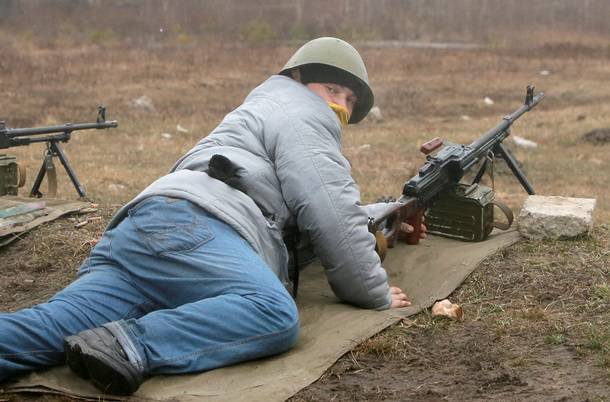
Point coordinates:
[[415, 221], [386, 226]]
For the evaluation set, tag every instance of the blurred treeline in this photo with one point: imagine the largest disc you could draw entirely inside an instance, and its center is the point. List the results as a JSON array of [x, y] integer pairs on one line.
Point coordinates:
[[486, 22]]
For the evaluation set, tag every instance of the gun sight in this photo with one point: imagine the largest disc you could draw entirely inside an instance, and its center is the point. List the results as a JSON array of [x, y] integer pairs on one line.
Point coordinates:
[[529, 95]]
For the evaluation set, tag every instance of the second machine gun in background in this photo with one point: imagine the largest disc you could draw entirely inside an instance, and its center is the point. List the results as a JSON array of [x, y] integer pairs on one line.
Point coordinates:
[[442, 173], [52, 136]]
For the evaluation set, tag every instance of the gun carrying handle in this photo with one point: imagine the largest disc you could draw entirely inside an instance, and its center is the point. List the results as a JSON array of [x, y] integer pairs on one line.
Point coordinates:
[[416, 221], [431, 146]]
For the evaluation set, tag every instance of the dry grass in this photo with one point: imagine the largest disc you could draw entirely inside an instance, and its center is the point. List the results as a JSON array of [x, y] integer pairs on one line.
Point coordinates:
[[423, 93]]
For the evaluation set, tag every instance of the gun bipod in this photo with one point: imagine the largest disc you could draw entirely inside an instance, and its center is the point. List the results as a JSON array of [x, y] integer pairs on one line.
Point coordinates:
[[48, 168]]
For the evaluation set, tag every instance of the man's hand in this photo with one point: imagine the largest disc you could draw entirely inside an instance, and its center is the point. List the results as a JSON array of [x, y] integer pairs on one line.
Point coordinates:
[[399, 299], [405, 229]]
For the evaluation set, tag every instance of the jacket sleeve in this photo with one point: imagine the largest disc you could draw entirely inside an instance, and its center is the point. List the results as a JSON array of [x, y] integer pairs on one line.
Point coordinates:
[[318, 188]]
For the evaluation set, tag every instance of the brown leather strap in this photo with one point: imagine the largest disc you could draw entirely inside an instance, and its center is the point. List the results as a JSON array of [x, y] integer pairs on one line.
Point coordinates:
[[381, 245], [507, 212], [51, 178], [22, 175]]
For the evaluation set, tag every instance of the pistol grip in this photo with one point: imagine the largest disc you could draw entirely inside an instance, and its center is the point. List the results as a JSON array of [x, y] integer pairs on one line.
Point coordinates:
[[415, 221]]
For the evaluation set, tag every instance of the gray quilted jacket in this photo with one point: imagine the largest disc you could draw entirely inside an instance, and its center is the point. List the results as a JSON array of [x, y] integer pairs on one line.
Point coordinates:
[[285, 142]]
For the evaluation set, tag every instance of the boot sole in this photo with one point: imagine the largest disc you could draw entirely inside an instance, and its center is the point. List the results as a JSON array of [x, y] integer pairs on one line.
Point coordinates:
[[73, 357], [90, 364]]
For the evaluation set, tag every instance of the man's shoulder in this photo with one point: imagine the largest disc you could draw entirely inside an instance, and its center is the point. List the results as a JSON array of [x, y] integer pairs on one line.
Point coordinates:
[[283, 91], [282, 106]]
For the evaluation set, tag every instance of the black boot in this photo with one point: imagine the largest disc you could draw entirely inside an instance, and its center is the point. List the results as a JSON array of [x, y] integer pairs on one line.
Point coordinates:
[[97, 354]]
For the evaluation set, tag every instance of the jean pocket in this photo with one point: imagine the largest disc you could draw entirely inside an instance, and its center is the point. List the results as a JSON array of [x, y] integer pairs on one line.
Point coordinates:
[[169, 225]]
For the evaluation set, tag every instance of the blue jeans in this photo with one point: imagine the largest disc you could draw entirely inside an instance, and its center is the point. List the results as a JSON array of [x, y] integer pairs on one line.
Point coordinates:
[[187, 292]]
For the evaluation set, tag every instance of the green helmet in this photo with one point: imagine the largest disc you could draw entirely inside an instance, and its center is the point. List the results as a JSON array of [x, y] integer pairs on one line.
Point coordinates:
[[334, 60]]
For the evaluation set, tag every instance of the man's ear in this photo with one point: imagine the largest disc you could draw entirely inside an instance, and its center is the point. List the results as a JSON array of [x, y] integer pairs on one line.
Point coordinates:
[[296, 74]]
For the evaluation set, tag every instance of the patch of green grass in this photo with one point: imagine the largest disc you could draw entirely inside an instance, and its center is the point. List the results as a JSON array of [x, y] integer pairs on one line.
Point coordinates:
[[532, 247], [598, 339], [601, 292], [555, 339], [557, 335], [492, 309], [597, 342], [505, 321]]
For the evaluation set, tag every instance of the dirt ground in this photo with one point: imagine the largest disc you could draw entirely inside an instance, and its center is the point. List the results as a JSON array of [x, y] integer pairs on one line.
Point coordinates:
[[536, 328], [537, 325]]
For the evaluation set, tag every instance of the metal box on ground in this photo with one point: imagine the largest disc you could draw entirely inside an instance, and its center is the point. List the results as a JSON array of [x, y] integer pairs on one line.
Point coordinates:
[[465, 212], [10, 179]]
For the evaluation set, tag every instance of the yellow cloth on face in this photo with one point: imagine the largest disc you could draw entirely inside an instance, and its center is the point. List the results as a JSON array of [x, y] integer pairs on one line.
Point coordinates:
[[341, 112]]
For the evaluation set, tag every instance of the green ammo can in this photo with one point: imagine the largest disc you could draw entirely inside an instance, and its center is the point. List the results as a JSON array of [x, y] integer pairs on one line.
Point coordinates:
[[464, 212], [10, 177]]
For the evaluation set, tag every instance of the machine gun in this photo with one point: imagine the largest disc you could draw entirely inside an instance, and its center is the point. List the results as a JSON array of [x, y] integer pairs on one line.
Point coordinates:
[[443, 172], [52, 136]]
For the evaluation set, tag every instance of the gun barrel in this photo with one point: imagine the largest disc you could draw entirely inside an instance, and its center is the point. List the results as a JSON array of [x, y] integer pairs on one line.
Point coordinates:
[[487, 140], [24, 132], [452, 162]]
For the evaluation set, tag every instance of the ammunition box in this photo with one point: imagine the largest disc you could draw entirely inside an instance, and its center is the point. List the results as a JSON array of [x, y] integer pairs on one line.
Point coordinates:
[[9, 175], [464, 212]]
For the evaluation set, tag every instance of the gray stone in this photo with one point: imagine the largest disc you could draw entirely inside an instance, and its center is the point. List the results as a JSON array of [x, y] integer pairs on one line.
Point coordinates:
[[143, 103], [556, 217], [375, 115], [597, 136]]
